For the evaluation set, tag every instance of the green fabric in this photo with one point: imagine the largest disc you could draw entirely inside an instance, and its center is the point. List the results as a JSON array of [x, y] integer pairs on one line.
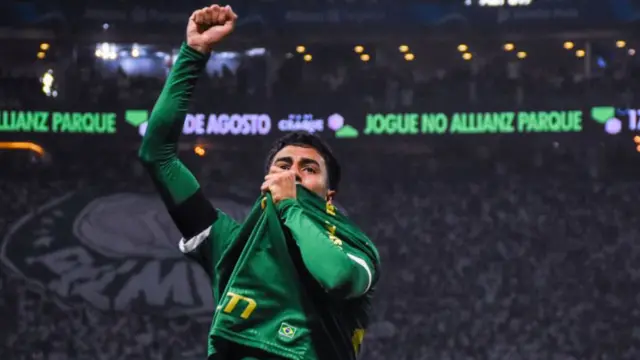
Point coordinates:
[[263, 293], [159, 146], [342, 271]]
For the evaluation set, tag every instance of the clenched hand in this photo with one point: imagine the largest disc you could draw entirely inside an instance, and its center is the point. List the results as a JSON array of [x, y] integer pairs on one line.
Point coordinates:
[[280, 183], [208, 26]]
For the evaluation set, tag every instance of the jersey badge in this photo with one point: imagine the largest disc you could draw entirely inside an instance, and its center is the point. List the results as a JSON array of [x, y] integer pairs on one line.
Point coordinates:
[[287, 331]]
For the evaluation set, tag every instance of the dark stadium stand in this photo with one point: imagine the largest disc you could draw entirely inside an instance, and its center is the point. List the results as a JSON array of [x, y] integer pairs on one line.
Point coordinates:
[[482, 259]]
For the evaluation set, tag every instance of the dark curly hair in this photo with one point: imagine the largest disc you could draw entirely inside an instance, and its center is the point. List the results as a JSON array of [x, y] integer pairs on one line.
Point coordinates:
[[305, 139]]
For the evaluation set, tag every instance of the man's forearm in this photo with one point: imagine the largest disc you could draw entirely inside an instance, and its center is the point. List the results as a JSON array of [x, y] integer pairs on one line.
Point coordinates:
[[158, 150], [177, 186], [167, 118], [338, 272]]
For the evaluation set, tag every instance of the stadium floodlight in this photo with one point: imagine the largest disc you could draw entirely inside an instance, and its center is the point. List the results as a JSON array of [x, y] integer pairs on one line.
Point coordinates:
[[199, 150], [135, 50], [106, 51], [256, 52]]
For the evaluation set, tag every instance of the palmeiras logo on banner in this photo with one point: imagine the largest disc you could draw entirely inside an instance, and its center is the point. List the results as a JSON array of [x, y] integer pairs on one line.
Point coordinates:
[[115, 253]]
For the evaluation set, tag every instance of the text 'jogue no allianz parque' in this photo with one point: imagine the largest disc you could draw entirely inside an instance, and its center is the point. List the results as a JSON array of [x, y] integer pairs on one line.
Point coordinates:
[[474, 122]]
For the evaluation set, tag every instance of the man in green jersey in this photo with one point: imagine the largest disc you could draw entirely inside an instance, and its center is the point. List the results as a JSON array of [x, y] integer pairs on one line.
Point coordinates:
[[339, 279]]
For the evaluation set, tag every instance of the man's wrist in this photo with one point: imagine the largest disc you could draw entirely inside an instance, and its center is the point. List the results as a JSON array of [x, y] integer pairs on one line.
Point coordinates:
[[198, 50]]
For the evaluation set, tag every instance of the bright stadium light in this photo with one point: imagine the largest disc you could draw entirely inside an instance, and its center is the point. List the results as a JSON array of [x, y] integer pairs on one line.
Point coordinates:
[[47, 80], [135, 50], [365, 57], [409, 56], [300, 49], [41, 55], [463, 47], [199, 150], [308, 57], [467, 56], [256, 52], [521, 54], [44, 46], [568, 45], [106, 51], [580, 53], [509, 47], [358, 49], [102, 50], [403, 48], [620, 44]]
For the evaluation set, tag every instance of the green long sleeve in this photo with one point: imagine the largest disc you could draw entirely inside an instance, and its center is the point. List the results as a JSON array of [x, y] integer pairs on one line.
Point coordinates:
[[341, 271], [178, 187], [160, 142]]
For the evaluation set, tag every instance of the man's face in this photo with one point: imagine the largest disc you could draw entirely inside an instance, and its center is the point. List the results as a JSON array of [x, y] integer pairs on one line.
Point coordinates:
[[309, 167]]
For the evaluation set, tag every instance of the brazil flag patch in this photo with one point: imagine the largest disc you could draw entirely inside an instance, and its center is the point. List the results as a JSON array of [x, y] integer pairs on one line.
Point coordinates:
[[287, 331]]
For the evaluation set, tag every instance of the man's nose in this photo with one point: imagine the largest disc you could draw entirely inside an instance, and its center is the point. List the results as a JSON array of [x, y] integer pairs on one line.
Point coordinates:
[[298, 175]]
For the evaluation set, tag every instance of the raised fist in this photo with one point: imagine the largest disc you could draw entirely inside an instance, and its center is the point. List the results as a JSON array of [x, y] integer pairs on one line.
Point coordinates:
[[208, 26]]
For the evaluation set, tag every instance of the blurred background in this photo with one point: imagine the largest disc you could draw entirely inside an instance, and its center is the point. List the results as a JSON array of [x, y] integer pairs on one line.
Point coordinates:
[[490, 148]]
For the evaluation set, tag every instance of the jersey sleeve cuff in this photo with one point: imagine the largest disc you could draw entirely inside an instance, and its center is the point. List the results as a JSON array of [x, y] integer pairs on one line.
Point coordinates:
[[188, 52], [366, 266], [187, 246], [194, 215]]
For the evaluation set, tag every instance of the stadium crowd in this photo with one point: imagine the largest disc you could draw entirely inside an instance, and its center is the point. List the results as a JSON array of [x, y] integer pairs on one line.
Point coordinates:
[[530, 255]]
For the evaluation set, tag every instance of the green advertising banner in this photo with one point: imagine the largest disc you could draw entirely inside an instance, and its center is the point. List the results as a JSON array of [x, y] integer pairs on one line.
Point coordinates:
[[598, 119], [344, 125], [58, 122]]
